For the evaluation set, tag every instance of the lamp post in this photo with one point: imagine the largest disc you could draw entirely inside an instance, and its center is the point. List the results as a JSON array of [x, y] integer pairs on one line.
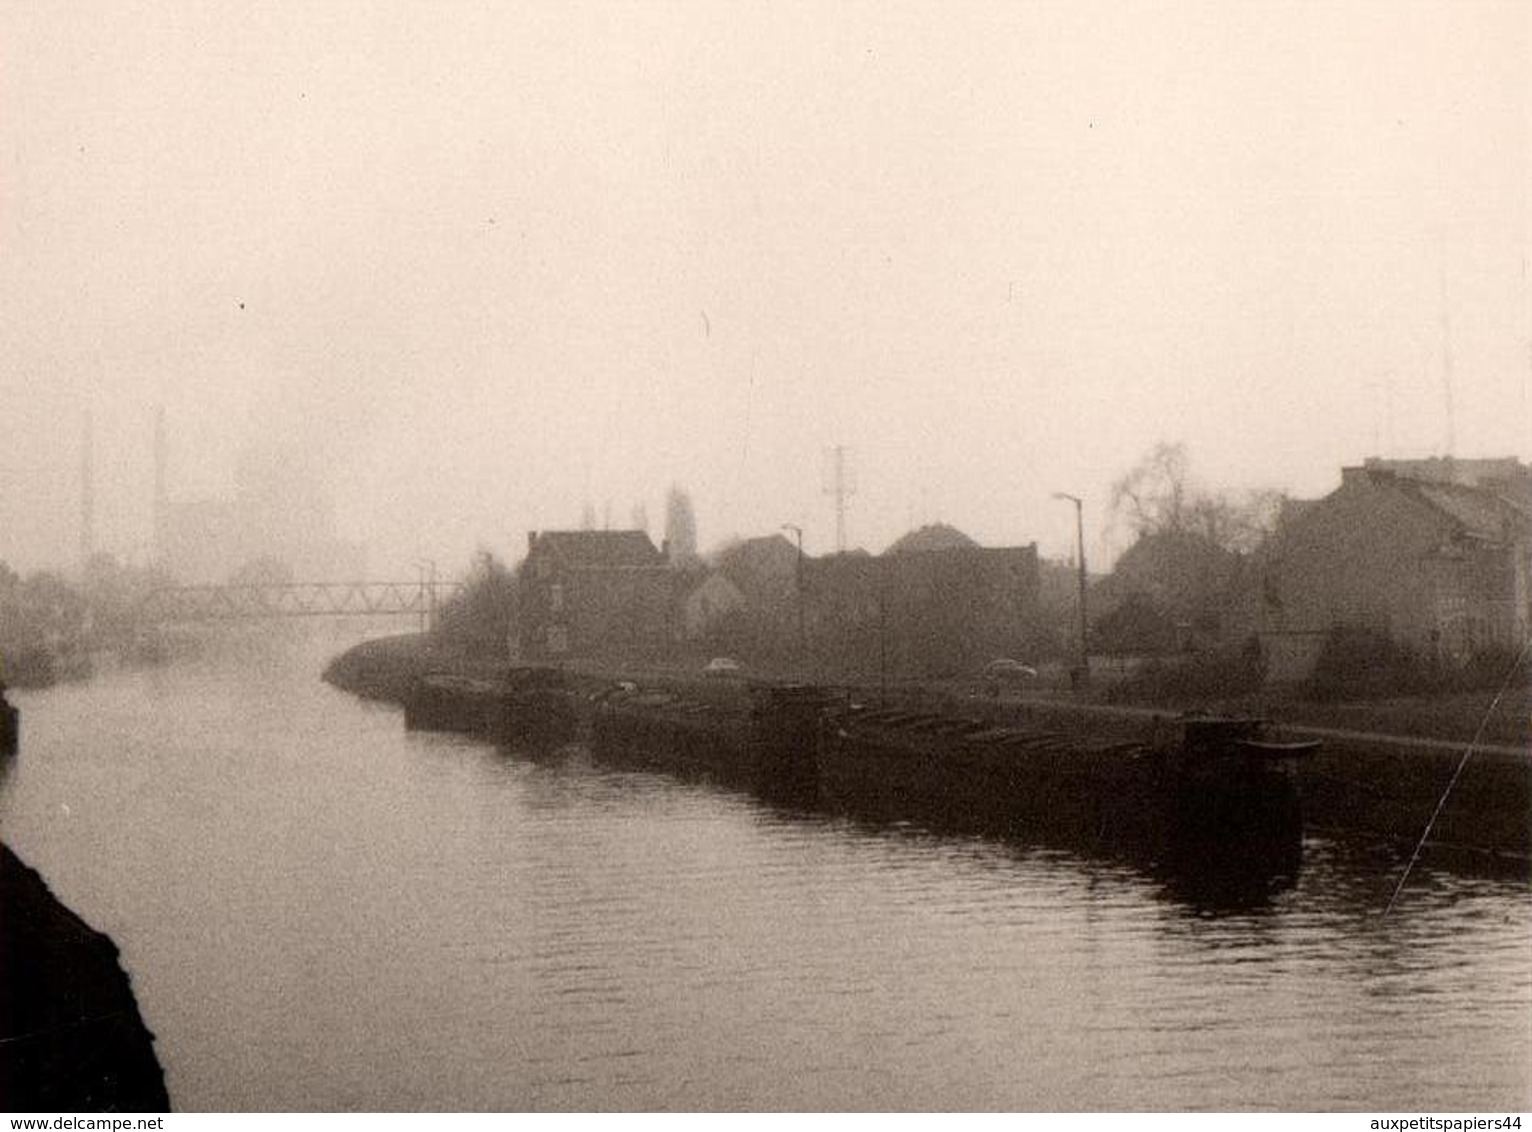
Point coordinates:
[[798, 589], [426, 569], [1083, 671]]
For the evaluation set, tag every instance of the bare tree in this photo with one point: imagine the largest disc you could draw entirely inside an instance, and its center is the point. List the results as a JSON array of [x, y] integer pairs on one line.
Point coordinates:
[[1237, 522], [1153, 495], [1158, 496], [479, 616]]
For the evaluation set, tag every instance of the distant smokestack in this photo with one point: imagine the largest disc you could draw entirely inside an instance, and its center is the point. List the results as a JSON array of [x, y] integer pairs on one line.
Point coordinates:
[[161, 518], [87, 495]]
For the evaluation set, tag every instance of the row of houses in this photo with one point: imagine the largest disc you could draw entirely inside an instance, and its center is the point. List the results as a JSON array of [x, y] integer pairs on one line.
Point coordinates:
[[1434, 555], [934, 603]]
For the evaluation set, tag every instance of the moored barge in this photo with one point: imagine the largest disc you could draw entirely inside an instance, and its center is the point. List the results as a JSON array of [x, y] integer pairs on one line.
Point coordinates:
[[1206, 784], [1198, 786], [526, 706], [764, 738]]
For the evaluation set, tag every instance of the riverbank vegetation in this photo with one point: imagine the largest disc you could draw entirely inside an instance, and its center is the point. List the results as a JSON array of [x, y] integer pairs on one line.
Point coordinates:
[[477, 621], [51, 626]]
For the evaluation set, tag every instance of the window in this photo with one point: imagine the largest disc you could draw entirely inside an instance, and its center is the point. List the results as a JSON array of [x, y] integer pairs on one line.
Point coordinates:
[[558, 638], [556, 598]]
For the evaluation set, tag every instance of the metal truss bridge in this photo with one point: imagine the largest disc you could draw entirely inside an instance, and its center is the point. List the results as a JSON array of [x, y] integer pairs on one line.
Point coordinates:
[[295, 599]]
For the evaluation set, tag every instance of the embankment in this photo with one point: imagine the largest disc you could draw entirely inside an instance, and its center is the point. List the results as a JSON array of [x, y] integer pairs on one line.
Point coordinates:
[[383, 669], [71, 1036]]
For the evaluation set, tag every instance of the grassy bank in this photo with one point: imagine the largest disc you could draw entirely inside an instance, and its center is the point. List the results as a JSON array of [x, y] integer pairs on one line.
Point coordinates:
[[1458, 717]]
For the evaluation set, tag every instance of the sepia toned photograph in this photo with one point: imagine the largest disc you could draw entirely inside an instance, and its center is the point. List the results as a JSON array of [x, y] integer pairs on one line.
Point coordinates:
[[763, 556]]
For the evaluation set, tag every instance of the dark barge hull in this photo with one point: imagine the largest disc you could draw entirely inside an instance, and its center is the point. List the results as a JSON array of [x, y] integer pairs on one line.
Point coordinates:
[[532, 707], [767, 742], [1218, 790], [1215, 791]]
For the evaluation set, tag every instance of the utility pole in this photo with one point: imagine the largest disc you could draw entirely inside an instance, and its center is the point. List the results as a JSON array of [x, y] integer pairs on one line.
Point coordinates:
[[803, 647], [434, 623], [425, 570], [1082, 677], [841, 483]]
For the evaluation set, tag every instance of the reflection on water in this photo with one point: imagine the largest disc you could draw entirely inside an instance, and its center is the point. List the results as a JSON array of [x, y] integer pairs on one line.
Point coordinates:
[[323, 911]]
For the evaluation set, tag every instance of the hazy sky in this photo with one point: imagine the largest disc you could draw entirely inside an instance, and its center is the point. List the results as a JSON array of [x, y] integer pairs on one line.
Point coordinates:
[[485, 263]]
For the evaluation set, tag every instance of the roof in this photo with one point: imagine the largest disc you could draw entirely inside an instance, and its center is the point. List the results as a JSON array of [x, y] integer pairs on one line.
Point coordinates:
[[1290, 510], [1449, 469], [714, 582], [1490, 512], [1183, 568], [755, 561], [1478, 513], [598, 548], [932, 536]]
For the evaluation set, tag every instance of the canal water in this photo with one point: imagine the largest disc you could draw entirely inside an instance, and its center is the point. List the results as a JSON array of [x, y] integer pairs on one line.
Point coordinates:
[[322, 911]]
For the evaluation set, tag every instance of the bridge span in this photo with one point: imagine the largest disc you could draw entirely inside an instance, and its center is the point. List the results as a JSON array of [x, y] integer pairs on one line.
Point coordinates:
[[294, 599]]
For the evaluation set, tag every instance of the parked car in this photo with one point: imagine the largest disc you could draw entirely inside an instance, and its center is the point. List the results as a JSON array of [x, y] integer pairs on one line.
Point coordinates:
[[1006, 673], [723, 666]]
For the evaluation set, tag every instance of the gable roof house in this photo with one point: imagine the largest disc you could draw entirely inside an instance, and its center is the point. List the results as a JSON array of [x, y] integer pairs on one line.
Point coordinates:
[[931, 537], [708, 602], [917, 612], [1168, 592], [594, 593], [765, 569], [1441, 566]]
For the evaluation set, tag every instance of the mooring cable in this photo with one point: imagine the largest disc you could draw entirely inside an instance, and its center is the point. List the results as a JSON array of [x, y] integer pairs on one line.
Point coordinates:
[[1462, 762]]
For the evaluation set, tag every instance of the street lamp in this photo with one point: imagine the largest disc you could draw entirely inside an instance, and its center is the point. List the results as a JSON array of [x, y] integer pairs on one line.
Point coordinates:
[[427, 597], [798, 588], [1084, 669]]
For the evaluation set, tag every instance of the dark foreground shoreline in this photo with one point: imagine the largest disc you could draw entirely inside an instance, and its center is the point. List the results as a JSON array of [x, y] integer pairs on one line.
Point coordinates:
[[71, 1035]]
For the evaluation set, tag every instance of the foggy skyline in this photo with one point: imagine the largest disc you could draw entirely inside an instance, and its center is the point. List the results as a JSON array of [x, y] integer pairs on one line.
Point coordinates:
[[488, 265]]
